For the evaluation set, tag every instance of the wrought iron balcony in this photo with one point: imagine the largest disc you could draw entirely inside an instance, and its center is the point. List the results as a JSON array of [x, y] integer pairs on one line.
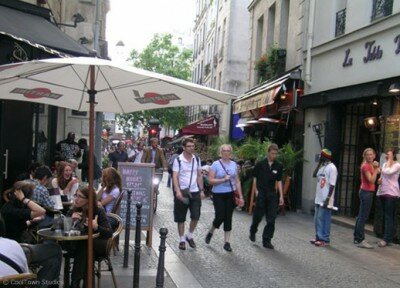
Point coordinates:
[[340, 23], [381, 8]]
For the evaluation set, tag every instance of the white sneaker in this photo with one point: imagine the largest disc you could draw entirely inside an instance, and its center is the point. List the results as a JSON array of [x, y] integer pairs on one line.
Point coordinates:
[[365, 244]]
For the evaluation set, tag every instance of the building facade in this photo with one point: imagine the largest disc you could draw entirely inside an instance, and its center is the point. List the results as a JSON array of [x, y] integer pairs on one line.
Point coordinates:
[[219, 57], [352, 57]]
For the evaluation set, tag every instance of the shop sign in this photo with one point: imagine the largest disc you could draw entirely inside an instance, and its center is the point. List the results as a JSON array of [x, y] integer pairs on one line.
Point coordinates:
[[254, 102], [373, 52]]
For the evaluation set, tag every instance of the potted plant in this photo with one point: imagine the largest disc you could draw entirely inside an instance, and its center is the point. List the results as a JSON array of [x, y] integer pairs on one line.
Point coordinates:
[[289, 158], [252, 149]]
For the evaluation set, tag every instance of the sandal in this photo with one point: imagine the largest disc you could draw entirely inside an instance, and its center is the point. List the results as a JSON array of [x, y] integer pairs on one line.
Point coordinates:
[[382, 243], [182, 245]]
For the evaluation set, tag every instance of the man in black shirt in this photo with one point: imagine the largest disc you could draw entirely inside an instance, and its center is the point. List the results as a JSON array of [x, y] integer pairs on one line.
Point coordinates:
[[118, 155], [68, 148], [268, 176]]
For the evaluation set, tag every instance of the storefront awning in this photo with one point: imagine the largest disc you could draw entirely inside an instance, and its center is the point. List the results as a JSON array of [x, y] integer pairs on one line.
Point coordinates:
[[179, 140], [262, 95], [38, 32], [207, 126]]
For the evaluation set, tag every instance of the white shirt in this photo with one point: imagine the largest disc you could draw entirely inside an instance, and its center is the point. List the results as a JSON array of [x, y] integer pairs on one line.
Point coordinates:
[[138, 157], [12, 250], [327, 176], [184, 172]]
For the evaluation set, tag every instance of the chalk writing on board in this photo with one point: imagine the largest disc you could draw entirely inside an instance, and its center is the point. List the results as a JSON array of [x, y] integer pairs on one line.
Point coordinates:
[[137, 178]]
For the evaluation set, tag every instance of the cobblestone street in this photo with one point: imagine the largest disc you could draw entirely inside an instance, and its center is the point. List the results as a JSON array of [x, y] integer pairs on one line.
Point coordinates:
[[293, 263]]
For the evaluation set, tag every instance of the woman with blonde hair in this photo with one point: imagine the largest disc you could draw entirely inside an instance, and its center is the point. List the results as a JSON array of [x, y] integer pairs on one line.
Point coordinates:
[[111, 183], [369, 172], [224, 177], [388, 193]]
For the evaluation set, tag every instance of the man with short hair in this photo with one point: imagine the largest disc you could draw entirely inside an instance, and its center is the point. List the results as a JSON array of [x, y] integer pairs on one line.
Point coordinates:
[[137, 153], [40, 193], [188, 191], [268, 175], [155, 154], [68, 148], [118, 155]]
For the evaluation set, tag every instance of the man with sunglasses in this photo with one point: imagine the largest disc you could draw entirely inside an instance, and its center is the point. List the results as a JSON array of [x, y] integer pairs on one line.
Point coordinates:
[[188, 191]]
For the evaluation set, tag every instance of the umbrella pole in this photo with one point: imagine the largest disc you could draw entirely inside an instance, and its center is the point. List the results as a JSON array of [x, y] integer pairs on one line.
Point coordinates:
[[92, 93]]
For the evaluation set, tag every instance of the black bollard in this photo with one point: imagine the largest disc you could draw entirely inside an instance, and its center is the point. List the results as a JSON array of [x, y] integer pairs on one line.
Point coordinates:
[[136, 267], [127, 228], [161, 258]]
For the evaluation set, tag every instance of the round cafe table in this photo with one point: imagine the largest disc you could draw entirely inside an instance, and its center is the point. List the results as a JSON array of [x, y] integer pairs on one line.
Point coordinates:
[[48, 233]]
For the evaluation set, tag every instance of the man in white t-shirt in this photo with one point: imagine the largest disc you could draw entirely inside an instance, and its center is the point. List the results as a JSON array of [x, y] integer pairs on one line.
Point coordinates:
[[188, 191], [326, 173]]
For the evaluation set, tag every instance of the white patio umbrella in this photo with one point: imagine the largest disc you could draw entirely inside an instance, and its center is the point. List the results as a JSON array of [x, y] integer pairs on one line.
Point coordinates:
[[92, 84]]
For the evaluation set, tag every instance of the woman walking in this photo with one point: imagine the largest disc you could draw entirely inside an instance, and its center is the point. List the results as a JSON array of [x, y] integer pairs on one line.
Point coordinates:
[[388, 193], [223, 175], [369, 172]]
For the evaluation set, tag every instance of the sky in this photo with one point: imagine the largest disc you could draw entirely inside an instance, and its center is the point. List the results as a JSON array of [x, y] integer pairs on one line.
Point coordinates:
[[136, 21]]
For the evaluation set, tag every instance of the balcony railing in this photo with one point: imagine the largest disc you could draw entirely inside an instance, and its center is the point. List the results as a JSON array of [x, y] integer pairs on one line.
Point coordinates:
[[381, 8], [340, 22]]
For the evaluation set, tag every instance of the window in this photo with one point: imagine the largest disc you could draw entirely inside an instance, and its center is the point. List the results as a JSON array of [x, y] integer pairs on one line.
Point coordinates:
[[259, 37], [271, 26], [340, 23], [284, 25], [381, 8]]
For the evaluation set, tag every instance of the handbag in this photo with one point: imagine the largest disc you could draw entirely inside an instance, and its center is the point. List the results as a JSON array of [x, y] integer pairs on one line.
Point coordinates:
[[236, 195]]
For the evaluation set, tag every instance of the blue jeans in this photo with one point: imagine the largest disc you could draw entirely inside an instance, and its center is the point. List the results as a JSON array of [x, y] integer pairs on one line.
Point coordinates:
[[389, 207], [322, 220], [366, 198]]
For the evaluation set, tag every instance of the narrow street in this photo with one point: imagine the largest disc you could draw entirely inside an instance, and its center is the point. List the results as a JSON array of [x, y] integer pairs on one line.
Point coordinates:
[[293, 263]]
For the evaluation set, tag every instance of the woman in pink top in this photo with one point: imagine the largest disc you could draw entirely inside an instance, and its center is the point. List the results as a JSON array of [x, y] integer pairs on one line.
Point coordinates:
[[369, 172], [388, 193]]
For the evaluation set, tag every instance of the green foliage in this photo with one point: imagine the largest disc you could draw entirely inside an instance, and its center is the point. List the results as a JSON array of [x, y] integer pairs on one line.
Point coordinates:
[[213, 149], [270, 64], [253, 149], [290, 158], [163, 57]]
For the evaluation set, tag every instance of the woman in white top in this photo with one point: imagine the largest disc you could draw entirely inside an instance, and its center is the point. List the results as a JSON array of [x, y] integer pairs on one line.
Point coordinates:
[[111, 183], [388, 193], [65, 182]]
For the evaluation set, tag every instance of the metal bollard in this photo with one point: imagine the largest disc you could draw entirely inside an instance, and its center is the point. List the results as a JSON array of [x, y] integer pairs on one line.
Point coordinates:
[[127, 228], [161, 258], [136, 267]]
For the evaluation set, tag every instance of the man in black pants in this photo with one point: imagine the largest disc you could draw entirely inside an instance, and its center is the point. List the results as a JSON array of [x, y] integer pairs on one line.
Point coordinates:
[[267, 174]]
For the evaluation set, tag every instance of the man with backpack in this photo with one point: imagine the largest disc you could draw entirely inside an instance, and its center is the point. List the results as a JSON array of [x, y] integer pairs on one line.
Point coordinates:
[[171, 164], [188, 191]]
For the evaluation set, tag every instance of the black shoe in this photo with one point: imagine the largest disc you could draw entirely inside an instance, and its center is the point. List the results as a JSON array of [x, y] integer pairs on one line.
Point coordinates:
[[252, 237], [191, 242], [182, 245], [268, 245], [227, 247], [208, 237]]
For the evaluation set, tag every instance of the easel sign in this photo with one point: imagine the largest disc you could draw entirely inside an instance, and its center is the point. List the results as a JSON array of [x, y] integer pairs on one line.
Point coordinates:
[[139, 179]]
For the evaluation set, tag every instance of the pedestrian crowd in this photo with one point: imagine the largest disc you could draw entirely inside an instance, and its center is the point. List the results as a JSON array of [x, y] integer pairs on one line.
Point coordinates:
[[40, 195]]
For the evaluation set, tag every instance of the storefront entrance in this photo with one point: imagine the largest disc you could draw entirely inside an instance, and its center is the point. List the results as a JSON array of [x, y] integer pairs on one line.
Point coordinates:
[[355, 137]]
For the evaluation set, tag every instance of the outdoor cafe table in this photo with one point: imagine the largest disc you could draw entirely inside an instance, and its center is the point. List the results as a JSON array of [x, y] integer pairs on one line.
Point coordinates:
[[48, 233]]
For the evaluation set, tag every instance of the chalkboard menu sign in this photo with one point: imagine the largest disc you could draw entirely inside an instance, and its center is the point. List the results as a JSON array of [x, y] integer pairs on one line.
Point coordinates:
[[137, 178]]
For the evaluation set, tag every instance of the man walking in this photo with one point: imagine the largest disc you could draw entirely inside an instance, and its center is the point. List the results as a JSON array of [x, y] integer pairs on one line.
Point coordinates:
[[268, 175], [326, 174], [188, 191], [68, 148], [118, 155], [154, 154]]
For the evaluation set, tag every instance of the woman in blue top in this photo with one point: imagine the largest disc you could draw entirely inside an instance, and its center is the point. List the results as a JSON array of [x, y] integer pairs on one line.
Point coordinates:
[[223, 175]]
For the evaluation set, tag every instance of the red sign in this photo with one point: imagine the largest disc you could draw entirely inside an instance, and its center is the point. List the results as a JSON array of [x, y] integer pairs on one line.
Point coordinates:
[[155, 98], [208, 126], [36, 93]]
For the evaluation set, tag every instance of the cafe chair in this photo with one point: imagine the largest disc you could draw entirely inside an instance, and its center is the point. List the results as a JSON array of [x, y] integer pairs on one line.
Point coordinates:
[[18, 280], [106, 258], [116, 210]]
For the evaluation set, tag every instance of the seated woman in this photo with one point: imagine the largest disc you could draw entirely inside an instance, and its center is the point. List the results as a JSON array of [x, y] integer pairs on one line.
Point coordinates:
[[20, 212], [65, 183], [78, 249], [111, 183]]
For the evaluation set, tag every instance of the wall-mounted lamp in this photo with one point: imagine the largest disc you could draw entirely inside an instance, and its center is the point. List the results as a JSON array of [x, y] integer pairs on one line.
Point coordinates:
[[394, 88], [83, 40], [375, 102], [317, 128], [283, 96], [371, 123], [78, 18]]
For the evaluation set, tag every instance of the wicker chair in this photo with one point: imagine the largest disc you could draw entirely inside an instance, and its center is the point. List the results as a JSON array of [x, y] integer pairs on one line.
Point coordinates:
[[110, 245]]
